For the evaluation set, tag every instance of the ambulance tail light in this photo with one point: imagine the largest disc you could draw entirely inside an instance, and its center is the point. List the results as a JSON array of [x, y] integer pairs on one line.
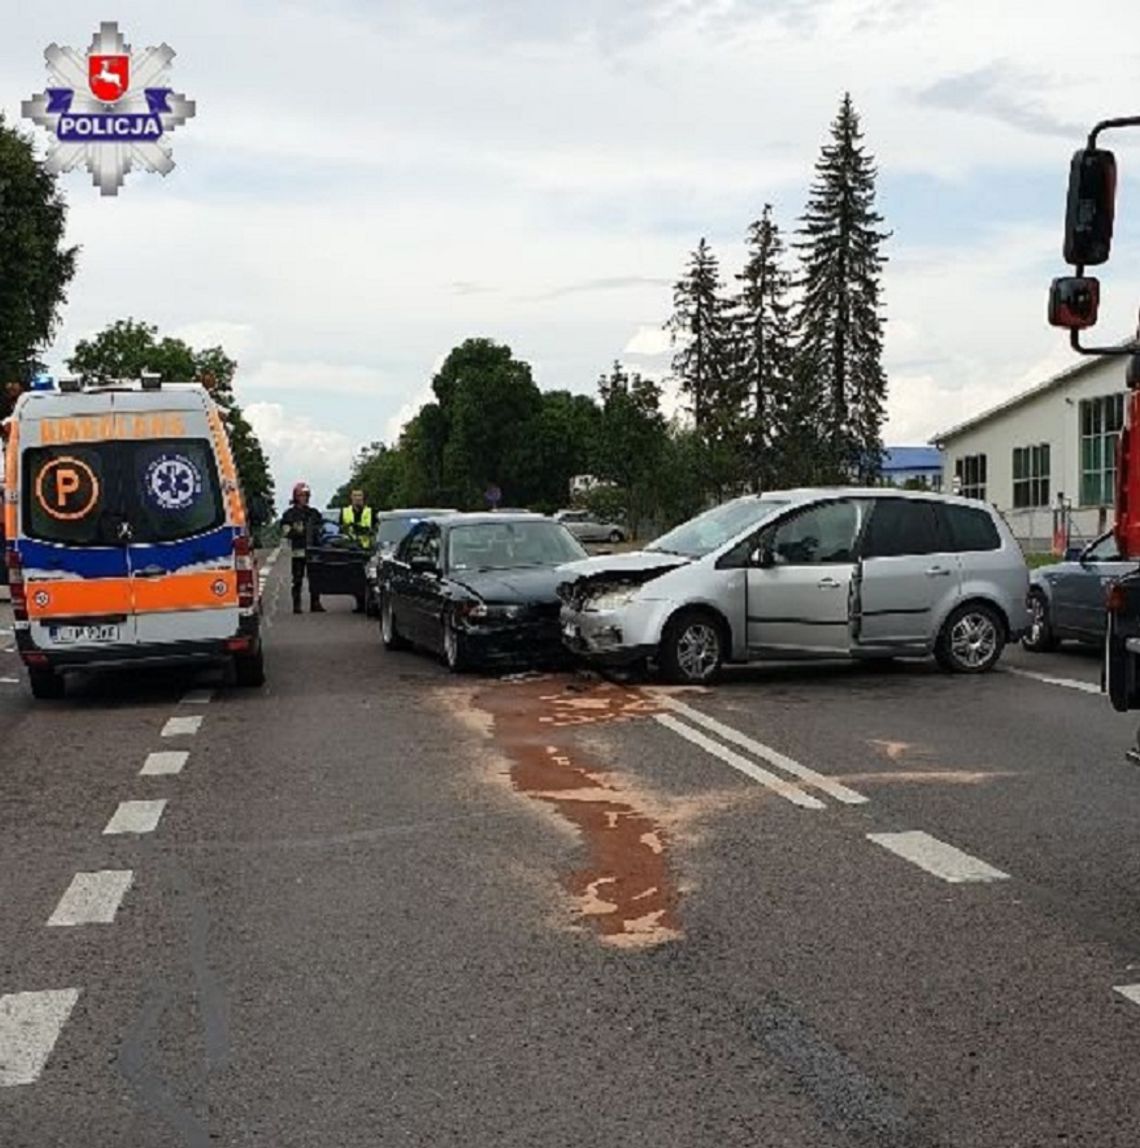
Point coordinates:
[[246, 575], [16, 586]]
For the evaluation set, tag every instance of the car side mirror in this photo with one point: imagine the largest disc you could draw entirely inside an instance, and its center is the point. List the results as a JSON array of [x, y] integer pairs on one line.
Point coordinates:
[[763, 557], [1073, 554], [422, 565], [1090, 207], [1074, 302]]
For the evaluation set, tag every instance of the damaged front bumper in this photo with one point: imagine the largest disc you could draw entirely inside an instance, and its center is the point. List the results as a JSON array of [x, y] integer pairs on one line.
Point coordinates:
[[606, 617], [618, 637]]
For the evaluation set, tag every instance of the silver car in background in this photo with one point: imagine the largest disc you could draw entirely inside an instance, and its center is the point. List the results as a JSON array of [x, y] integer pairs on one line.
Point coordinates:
[[586, 528], [837, 573]]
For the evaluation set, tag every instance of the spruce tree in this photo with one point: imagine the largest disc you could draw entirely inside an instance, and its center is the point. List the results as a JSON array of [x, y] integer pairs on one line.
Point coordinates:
[[701, 330], [839, 326], [706, 364], [765, 346]]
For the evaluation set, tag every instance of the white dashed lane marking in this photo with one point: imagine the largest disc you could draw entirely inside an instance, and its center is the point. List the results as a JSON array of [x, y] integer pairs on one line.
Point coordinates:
[[1131, 992], [30, 1024], [1049, 680], [786, 789], [781, 761], [181, 726], [164, 763], [937, 857], [136, 817], [92, 898], [197, 697]]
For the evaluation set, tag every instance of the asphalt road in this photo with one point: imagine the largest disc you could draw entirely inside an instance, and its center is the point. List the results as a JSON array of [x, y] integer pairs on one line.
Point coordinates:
[[380, 905]]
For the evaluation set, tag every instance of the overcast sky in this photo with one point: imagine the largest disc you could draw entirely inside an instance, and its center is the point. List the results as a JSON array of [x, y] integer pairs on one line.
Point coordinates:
[[366, 184]]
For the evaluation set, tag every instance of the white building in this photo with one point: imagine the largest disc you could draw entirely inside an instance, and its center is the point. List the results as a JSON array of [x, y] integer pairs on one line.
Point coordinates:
[[1056, 440]]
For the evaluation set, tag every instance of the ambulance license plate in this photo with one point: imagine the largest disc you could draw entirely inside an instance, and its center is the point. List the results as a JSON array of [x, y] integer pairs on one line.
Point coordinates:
[[73, 635]]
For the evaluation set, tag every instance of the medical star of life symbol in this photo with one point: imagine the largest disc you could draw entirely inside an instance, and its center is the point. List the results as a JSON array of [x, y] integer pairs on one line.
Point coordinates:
[[173, 483], [110, 109]]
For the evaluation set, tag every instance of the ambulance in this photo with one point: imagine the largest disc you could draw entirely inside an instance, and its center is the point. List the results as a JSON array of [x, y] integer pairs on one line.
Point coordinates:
[[127, 541]]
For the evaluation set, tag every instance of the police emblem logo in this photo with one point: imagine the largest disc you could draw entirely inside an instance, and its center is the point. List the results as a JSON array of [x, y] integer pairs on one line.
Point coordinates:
[[42, 599], [110, 109], [220, 588], [172, 483]]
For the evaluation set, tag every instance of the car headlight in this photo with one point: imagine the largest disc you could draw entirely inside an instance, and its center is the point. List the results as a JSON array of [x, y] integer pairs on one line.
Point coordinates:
[[611, 599], [489, 612]]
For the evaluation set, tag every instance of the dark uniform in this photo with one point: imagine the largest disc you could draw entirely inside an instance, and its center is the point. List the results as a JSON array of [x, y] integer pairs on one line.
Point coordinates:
[[303, 526]]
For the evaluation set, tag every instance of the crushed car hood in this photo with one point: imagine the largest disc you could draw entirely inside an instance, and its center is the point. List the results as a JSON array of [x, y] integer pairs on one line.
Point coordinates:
[[583, 580], [619, 566], [512, 587]]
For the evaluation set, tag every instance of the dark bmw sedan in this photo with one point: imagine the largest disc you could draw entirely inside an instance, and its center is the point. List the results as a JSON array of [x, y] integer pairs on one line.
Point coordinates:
[[478, 589]]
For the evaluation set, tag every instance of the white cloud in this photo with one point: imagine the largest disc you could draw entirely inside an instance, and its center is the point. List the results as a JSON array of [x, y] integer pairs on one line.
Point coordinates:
[[408, 411], [648, 341], [300, 450], [316, 379], [238, 339]]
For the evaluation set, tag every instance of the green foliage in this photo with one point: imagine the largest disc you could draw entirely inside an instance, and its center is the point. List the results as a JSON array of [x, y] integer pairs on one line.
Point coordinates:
[[607, 504], [839, 325], [35, 267], [127, 348], [766, 354]]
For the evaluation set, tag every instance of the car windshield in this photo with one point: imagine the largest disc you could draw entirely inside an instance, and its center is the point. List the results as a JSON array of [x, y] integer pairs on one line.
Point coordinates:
[[703, 534], [511, 545], [392, 530]]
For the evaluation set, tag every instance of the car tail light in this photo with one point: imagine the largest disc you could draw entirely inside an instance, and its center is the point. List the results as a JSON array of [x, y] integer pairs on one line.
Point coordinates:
[[246, 575], [1115, 599], [16, 585]]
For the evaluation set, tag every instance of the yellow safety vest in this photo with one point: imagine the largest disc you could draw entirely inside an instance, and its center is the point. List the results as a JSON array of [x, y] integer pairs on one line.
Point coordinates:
[[362, 530]]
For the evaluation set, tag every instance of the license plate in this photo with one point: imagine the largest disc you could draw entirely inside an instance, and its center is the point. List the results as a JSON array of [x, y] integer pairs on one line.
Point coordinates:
[[71, 635]]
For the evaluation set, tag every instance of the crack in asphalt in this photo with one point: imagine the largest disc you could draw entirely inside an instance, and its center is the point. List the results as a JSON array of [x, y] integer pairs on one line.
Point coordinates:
[[844, 1095], [134, 1058]]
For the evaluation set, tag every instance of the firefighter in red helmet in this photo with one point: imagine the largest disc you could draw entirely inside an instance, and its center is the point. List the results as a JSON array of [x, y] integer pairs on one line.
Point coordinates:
[[301, 524]]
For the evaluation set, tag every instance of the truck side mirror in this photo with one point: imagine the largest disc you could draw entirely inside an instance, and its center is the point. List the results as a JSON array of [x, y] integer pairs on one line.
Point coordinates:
[[1074, 303], [1090, 208]]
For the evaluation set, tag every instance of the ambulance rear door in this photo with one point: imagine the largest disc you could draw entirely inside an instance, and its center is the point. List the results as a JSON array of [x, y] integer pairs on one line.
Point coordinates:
[[72, 544], [181, 551]]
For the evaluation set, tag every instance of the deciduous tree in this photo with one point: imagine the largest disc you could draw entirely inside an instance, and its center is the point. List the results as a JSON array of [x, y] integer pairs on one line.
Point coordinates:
[[35, 264]]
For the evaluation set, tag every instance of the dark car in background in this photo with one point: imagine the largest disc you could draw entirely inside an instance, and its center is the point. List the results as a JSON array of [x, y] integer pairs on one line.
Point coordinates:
[[478, 589], [392, 527], [1067, 599]]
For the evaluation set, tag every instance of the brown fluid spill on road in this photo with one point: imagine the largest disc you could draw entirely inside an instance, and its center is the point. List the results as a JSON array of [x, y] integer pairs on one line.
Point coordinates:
[[625, 890]]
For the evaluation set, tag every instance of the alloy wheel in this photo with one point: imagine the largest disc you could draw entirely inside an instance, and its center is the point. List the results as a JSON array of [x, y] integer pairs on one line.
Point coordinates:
[[973, 640], [698, 651]]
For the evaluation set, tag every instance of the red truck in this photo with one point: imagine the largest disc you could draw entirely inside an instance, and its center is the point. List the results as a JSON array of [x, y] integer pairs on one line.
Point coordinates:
[[1074, 302]]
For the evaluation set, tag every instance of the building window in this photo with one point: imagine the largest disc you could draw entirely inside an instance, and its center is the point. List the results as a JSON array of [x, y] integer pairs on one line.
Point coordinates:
[[970, 472], [1102, 420], [1030, 476]]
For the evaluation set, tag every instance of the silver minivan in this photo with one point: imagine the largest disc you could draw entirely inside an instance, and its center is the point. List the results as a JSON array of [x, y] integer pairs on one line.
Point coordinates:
[[818, 573]]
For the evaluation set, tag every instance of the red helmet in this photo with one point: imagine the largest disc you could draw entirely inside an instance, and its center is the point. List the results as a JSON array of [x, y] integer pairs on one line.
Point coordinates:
[[299, 489]]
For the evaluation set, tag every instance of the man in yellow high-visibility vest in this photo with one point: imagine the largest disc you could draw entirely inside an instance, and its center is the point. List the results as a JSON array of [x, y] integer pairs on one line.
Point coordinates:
[[356, 523]]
